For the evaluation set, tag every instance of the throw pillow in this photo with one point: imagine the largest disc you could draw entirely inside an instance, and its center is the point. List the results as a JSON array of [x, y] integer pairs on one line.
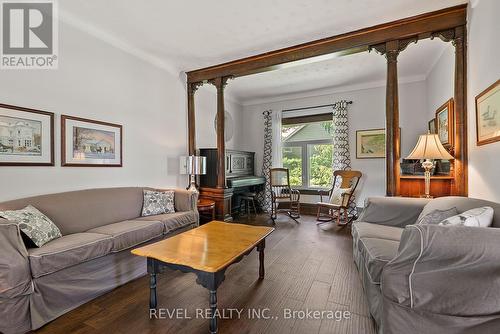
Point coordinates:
[[157, 202], [34, 224], [437, 216], [338, 197], [479, 217]]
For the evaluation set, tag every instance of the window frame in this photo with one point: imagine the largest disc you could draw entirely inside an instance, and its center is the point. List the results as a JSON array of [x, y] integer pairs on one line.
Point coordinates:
[[304, 145]]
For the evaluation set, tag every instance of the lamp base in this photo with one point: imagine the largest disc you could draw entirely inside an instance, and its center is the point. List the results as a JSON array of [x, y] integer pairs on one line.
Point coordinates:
[[192, 185], [428, 165]]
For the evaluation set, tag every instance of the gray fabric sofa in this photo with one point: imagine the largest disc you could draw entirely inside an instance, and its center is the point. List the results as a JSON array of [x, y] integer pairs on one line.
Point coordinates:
[[99, 226], [428, 278]]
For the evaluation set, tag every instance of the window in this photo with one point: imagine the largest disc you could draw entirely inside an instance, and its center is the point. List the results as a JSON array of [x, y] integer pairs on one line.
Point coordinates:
[[292, 159], [307, 151]]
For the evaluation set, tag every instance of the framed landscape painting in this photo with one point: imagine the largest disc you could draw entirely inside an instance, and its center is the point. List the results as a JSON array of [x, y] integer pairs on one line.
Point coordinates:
[[370, 144], [488, 115], [444, 123], [89, 143], [26, 137]]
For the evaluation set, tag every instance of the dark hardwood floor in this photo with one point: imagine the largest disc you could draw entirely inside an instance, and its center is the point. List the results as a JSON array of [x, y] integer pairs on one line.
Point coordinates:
[[307, 267]]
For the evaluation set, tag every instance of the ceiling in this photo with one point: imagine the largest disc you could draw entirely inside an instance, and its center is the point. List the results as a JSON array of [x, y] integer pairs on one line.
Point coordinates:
[[355, 71], [186, 35], [189, 34]]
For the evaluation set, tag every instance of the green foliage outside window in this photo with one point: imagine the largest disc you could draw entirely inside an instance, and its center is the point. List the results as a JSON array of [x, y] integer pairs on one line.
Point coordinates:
[[311, 142], [292, 159], [320, 165]]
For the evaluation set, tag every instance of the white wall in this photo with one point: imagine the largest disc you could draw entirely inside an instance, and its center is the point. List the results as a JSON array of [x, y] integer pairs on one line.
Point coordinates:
[[366, 112], [440, 80], [98, 81], [483, 70], [206, 110]]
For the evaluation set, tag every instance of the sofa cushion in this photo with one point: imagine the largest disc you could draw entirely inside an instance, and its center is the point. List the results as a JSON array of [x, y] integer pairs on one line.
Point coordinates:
[[462, 204], [34, 224], [81, 210], [369, 230], [174, 221], [478, 217], [130, 233], [67, 251], [157, 202], [377, 253], [437, 216]]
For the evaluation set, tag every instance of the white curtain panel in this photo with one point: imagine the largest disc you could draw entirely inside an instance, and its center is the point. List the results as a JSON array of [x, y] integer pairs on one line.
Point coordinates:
[[276, 138]]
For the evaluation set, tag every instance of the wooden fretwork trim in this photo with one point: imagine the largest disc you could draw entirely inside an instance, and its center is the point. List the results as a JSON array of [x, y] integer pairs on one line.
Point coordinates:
[[398, 46]]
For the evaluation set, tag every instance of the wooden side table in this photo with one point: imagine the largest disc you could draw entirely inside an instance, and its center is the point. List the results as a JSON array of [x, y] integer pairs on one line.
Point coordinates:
[[206, 208]]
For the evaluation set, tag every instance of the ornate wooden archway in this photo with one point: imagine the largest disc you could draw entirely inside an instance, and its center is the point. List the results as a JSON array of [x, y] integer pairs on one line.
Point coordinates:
[[388, 39]]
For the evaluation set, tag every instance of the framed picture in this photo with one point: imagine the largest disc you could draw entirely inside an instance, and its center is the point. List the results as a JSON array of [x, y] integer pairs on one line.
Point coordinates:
[[444, 123], [26, 137], [89, 143], [370, 144], [432, 126], [488, 115]]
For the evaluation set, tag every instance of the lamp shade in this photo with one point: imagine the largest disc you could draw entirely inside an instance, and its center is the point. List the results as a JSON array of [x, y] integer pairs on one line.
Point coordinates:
[[193, 165], [429, 147]]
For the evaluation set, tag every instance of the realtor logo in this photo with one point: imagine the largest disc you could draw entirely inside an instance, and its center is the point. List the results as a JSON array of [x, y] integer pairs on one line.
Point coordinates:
[[29, 35]]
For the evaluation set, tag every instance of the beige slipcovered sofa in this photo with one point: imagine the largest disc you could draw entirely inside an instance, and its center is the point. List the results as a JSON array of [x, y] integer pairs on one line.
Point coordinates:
[[99, 226], [428, 278]]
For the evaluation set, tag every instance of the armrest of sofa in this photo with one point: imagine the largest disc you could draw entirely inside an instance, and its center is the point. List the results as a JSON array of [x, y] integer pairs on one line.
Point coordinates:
[[446, 270], [15, 273], [393, 211], [185, 200]]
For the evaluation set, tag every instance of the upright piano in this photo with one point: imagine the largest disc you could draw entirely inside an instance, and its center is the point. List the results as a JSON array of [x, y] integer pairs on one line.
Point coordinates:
[[240, 178]]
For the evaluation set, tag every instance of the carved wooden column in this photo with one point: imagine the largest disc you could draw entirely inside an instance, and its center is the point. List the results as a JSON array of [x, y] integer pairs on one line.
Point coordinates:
[[191, 90], [391, 50], [459, 150], [220, 194], [461, 184], [392, 120], [220, 83]]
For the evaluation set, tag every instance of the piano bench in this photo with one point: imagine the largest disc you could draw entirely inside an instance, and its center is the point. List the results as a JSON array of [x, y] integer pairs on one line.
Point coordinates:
[[247, 199]]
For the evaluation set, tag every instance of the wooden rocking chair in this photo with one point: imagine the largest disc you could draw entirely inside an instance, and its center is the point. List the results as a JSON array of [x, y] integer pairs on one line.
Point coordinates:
[[333, 209], [281, 192]]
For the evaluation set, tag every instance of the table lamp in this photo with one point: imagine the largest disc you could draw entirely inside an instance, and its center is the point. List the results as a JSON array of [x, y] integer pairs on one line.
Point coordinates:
[[429, 147], [193, 165]]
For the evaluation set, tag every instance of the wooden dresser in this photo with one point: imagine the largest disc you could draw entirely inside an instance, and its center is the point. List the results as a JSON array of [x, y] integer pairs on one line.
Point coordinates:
[[414, 185]]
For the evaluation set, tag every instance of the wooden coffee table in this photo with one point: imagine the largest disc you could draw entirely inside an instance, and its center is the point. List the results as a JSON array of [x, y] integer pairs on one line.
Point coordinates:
[[207, 251]]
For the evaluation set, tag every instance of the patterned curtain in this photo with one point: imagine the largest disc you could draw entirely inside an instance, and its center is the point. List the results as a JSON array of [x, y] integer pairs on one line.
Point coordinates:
[[264, 196], [341, 154]]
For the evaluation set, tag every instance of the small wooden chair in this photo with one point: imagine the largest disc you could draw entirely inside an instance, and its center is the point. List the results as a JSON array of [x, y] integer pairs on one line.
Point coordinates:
[[281, 192], [328, 211]]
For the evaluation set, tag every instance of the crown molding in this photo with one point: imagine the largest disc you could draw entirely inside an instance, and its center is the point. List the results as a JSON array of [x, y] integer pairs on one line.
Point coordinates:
[[435, 61], [111, 39], [474, 3]]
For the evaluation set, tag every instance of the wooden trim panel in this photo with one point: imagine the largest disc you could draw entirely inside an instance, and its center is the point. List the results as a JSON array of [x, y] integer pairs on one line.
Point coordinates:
[[307, 119]]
